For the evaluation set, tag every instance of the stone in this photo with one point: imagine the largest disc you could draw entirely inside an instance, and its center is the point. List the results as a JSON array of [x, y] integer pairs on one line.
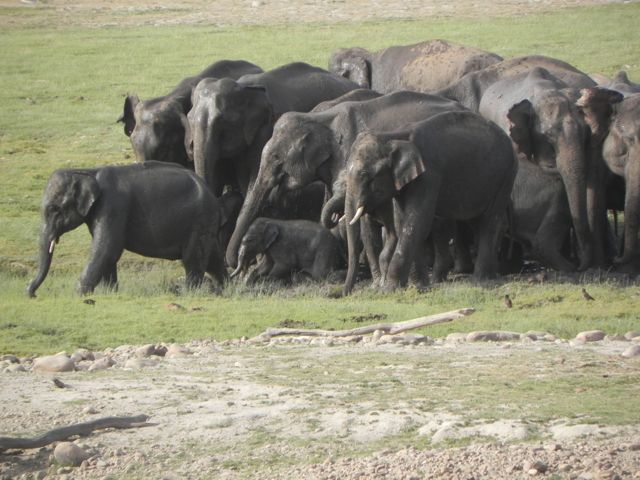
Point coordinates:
[[631, 335], [456, 337], [145, 351], [101, 364], [632, 351], [447, 431], [54, 363], [81, 355], [138, 363], [590, 336], [14, 368], [9, 359], [534, 467], [68, 453], [89, 410], [616, 337], [493, 336], [177, 351]]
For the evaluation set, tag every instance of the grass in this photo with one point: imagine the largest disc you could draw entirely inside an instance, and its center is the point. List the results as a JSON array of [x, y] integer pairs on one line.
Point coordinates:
[[63, 88]]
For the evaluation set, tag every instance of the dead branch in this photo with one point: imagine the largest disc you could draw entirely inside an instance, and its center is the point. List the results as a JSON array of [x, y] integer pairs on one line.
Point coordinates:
[[80, 429], [388, 328]]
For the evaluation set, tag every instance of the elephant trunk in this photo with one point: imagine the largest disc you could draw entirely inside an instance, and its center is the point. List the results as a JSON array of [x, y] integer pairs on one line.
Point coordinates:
[[353, 243], [332, 211], [47, 244], [631, 212], [252, 205], [206, 154], [572, 167]]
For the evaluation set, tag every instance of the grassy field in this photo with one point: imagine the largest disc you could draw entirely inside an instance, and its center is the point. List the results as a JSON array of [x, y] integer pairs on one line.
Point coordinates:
[[62, 89]]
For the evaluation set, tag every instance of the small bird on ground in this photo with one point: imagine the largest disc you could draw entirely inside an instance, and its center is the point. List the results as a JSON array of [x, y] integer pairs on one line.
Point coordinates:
[[586, 295], [89, 301], [507, 302], [59, 383]]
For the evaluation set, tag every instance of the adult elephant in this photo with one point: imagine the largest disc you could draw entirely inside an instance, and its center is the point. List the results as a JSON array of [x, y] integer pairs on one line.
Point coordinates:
[[306, 147], [454, 166], [422, 67], [621, 152], [153, 209], [622, 84], [156, 127], [549, 124], [470, 89], [231, 121]]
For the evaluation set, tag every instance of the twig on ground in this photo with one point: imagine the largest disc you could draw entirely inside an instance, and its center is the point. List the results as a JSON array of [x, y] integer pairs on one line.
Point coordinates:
[[80, 429], [388, 328]]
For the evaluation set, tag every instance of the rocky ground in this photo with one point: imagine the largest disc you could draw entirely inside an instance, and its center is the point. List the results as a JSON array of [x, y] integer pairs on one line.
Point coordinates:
[[371, 407]]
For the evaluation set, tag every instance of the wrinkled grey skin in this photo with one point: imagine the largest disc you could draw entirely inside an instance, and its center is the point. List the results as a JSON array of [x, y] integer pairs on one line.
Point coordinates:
[[454, 166], [547, 123], [422, 67], [231, 121], [306, 147], [621, 152], [285, 247], [156, 127], [470, 89], [154, 209]]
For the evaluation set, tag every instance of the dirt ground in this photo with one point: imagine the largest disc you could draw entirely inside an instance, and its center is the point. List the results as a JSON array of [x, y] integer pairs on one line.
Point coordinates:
[[100, 13], [311, 408]]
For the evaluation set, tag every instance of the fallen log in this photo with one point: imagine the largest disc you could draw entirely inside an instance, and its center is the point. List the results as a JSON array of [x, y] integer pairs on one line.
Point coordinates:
[[79, 429], [387, 328]]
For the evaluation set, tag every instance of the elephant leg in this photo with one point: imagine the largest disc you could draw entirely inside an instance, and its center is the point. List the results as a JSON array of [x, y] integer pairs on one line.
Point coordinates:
[[324, 261], [443, 259], [110, 277], [386, 254], [489, 233], [371, 234], [547, 244], [106, 250], [463, 239], [216, 266], [262, 269], [196, 253]]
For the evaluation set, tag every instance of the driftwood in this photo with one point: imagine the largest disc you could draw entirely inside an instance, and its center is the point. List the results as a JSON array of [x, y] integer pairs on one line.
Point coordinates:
[[387, 328], [79, 429]]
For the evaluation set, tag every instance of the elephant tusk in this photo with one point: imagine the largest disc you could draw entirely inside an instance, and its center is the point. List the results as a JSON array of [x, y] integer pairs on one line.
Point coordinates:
[[357, 216], [52, 245], [236, 271], [342, 218]]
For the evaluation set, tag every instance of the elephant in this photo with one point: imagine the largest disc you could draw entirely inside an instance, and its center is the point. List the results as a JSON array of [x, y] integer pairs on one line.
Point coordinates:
[[454, 166], [231, 121], [285, 247], [621, 153], [422, 67], [306, 147], [622, 84], [470, 89], [552, 126], [156, 127], [357, 95], [153, 208]]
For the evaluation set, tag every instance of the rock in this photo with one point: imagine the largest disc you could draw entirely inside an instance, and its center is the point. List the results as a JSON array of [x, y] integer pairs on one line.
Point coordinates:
[[632, 351], [101, 364], [539, 336], [616, 337], [489, 336], [534, 467], [590, 336], [377, 335], [89, 410], [68, 453], [9, 359], [14, 368], [407, 339], [54, 363], [138, 363], [631, 335], [82, 354], [456, 337], [145, 351], [177, 351], [446, 431]]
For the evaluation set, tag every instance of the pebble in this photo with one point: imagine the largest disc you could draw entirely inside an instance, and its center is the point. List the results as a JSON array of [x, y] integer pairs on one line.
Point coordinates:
[[68, 453], [632, 351], [590, 336], [534, 467], [177, 351], [89, 410], [101, 364], [489, 336], [54, 363]]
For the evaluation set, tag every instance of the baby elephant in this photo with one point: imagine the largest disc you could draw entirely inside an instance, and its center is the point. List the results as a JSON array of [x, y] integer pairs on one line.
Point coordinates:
[[287, 246], [154, 209]]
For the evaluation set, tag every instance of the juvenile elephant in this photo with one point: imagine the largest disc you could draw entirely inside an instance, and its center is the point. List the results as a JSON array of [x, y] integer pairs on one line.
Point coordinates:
[[156, 127], [422, 67], [555, 127], [454, 166], [306, 147], [231, 121], [154, 209], [285, 247]]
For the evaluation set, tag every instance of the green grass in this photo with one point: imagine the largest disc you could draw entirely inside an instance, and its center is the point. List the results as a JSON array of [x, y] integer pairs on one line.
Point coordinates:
[[63, 89]]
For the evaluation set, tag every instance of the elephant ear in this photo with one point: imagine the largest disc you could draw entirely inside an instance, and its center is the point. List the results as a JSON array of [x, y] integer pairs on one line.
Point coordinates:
[[86, 191], [406, 162], [520, 118], [128, 116], [271, 233], [258, 111], [597, 105], [358, 70]]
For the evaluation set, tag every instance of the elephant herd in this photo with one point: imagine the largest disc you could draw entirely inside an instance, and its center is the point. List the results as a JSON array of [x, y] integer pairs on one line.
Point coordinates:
[[412, 159]]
